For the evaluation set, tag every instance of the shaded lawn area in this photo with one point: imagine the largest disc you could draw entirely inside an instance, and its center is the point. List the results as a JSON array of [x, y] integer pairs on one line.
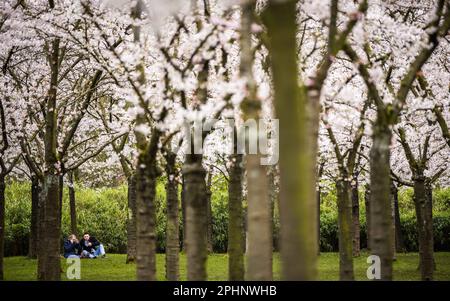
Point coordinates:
[[114, 268]]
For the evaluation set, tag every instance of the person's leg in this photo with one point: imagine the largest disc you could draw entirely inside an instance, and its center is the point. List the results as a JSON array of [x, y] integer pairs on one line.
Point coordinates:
[[100, 251], [73, 256], [86, 254]]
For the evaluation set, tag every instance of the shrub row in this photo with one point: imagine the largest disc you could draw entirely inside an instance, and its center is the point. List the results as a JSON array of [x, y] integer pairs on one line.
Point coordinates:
[[103, 213]]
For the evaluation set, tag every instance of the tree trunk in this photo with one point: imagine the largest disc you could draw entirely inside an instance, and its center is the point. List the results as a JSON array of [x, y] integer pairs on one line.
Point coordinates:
[[393, 230], [34, 225], [172, 230], [298, 203], [429, 226], [49, 264], [345, 224], [319, 197], [367, 206], [72, 205], [423, 205], [399, 243], [236, 270], [183, 213], [131, 220], [146, 218], [209, 217], [259, 222], [60, 197], [2, 223], [146, 174], [259, 252], [381, 238], [355, 217], [273, 199], [194, 176]]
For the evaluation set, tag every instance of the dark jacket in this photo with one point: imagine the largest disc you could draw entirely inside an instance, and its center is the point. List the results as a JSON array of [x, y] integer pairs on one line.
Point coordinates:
[[83, 244], [71, 248]]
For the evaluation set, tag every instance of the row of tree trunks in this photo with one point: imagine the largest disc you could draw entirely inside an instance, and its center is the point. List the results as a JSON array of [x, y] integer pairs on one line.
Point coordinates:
[[131, 220], [236, 270], [172, 230]]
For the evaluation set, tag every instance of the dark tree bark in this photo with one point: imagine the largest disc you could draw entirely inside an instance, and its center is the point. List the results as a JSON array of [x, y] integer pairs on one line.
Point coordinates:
[[146, 175], [345, 224], [424, 215], [392, 222], [61, 192], [423, 204], [273, 200], [367, 206], [2, 223], [131, 220], [172, 230], [209, 217], [146, 237], [355, 217], [49, 264], [34, 225], [319, 197], [72, 205], [399, 244], [438, 110], [236, 270], [195, 188], [381, 236], [429, 239], [183, 212]]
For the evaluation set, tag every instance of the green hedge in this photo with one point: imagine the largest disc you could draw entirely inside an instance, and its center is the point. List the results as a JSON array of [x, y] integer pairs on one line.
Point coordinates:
[[102, 212]]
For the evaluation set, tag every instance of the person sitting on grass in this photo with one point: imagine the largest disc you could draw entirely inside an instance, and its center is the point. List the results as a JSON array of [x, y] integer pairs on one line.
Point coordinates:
[[91, 247], [71, 247]]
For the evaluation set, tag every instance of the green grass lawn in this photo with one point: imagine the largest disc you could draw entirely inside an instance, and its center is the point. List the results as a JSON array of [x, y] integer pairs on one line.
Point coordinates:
[[114, 268]]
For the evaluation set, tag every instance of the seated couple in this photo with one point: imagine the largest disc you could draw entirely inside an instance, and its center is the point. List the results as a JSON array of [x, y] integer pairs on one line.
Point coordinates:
[[88, 247]]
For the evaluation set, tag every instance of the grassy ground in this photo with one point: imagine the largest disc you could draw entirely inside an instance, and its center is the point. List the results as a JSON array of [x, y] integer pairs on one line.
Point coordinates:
[[114, 268]]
